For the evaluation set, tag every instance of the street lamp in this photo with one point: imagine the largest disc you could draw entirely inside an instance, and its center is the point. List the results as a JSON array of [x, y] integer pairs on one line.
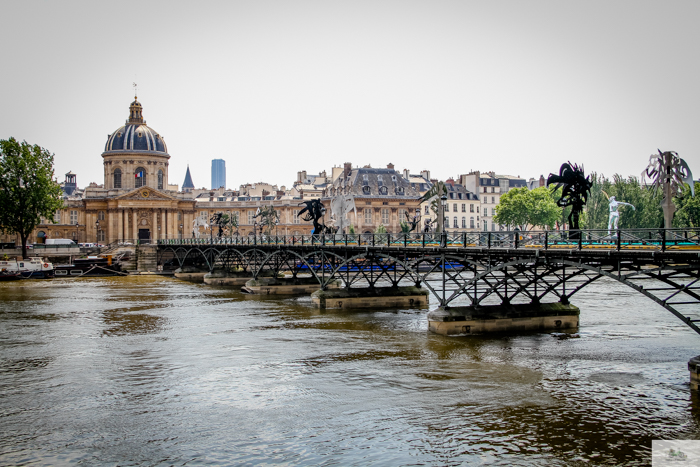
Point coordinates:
[[77, 233], [443, 235], [181, 231], [97, 231]]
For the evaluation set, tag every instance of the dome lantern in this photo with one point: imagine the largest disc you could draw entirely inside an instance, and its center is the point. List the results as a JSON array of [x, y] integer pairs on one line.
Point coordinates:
[[135, 115]]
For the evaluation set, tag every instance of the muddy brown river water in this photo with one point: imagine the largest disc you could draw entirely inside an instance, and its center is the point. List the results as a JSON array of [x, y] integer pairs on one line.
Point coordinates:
[[146, 370]]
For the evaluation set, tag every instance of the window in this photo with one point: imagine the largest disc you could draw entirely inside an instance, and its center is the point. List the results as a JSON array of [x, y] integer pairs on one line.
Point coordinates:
[[140, 175], [486, 211], [251, 213], [454, 223], [485, 189], [427, 209], [385, 216], [486, 226], [464, 207], [365, 179], [471, 208], [57, 217], [464, 222], [100, 235], [493, 200], [493, 227], [74, 217], [368, 215], [101, 216], [454, 207], [117, 178], [160, 180], [447, 222], [471, 222], [404, 215], [477, 209], [295, 218], [380, 182], [383, 190]]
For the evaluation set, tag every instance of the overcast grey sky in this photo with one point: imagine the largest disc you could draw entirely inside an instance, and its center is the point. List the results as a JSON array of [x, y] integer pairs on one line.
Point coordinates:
[[274, 87]]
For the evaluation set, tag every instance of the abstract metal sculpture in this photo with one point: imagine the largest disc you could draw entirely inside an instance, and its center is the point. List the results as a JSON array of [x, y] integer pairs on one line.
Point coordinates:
[[341, 205], [314, 212], [668, 172], [575, 190], [196, 224]]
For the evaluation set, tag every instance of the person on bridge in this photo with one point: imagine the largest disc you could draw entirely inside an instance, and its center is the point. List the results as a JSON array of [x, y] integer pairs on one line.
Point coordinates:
[[614, 212]]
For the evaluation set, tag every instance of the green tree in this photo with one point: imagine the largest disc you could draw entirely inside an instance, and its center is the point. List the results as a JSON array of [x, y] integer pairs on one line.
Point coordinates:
[[28, 190], [687, 209], [230, 221], [269, 218], [525, 208]]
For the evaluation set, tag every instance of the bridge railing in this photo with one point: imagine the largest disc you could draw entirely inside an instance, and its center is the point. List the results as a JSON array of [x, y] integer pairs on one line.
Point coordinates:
[[655, 239]]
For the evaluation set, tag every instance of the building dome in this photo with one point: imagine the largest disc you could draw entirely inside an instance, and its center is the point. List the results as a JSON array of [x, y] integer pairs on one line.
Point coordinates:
[[135, 135]]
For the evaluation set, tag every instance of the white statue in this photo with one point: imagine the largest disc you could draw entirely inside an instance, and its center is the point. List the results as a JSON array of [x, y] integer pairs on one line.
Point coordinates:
[[614, 212], [196, 224]]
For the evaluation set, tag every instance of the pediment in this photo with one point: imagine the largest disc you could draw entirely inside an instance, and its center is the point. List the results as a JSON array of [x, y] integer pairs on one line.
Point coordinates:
[[146, 193]]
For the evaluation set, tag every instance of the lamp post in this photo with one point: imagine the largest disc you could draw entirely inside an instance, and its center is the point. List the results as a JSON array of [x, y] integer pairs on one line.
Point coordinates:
[[97, 231], [255, 232], [443, 234], [77, 233], [181, 231]]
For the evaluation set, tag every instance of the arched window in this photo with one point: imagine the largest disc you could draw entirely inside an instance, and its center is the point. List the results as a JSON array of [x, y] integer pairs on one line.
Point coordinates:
[[140, 175], [117, 178], [160, 179]]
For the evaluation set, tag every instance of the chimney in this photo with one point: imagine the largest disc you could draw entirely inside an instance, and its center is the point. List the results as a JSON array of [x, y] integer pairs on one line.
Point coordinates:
[[390, 166], [406, 174], [347, 169]]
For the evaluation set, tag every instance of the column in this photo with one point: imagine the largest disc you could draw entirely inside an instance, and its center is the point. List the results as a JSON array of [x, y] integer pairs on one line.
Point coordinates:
[[164, 231], [135, 225], [109, 228], [154, 229], [120, 225]]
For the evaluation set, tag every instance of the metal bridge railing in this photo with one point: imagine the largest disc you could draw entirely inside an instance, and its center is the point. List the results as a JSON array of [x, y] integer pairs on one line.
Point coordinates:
[[636, 239]]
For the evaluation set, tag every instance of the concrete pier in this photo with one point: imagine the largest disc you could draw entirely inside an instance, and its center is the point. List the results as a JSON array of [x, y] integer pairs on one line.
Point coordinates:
[[284, 285], [462, 321], [694, 367], [371, 297], [236, 279]]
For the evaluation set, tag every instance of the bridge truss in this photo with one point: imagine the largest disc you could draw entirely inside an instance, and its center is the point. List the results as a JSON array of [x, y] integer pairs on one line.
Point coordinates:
[[490, 269]]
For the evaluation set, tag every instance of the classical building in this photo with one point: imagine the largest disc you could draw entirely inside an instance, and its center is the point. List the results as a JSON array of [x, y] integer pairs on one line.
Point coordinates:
[[490, 187], [134, 202]]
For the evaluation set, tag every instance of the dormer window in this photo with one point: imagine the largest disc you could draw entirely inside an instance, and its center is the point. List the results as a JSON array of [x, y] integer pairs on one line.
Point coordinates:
[[365, 189], [383, 190], [399, 190]]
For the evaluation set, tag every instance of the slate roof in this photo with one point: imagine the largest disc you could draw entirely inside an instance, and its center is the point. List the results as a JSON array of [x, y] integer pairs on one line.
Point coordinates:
[[373, 183]]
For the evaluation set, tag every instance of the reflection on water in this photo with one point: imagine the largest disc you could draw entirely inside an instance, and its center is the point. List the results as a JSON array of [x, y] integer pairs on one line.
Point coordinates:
[[149, 371]]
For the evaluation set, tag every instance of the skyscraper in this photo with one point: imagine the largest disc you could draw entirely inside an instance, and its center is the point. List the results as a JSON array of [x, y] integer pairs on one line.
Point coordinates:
[[218, 173]]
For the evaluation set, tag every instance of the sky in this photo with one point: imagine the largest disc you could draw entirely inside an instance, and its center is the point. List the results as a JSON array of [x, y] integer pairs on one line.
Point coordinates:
[[276, 87]]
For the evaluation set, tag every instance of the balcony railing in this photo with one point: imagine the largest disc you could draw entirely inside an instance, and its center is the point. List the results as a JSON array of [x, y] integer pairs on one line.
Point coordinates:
[[627, 239]]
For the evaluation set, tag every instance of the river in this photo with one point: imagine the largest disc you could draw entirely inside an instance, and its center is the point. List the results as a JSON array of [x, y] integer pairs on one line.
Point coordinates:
[[147, 370]]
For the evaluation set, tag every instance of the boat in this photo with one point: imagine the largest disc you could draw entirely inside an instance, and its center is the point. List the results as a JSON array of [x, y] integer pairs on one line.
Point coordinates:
[[34, 268], [9, 276], [92, 266]]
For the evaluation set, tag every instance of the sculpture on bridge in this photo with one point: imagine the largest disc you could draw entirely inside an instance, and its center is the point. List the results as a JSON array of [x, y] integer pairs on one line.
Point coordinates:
[[314, 212], [668, 172], [575, 190], [196, 224], [341, 205], [615, 211]]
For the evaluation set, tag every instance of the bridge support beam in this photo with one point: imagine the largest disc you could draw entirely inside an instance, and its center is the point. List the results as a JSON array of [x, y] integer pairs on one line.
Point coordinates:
[[468, 320], [284, 285], [371, 297]]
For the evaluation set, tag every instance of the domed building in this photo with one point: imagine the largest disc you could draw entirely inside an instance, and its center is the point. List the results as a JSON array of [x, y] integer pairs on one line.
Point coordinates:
[[135, 155], [135, 202]]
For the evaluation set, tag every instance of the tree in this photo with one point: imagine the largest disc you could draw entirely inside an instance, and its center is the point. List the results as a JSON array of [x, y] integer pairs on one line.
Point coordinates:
[[28, 190], [687, 209], [523, 208], [269, 218]]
